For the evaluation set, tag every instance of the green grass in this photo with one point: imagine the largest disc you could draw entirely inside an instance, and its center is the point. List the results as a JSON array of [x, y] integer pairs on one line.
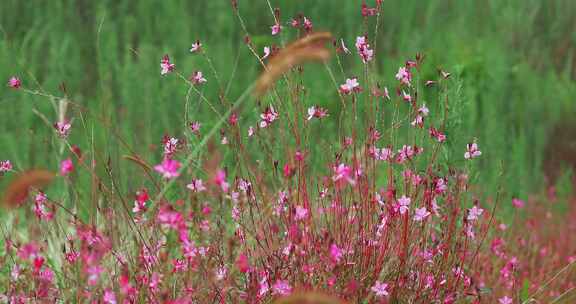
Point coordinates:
[[512, 63]]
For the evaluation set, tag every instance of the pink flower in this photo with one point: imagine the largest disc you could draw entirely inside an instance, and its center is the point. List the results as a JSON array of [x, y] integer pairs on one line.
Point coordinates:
[[474, 213], [317, 112], [505, 300], [66, 166], [472, 151], [5, 166], [220, 180], [406, 97], [14, 82], [62, 128], [195, 127], [168, 168], [93, 273], [196, 185], [109, 297], [251, 131], [140, 202], [196, 47], [351, 86], [439, 136], [276, 29], [40, 208], [336, 254], [423, 110], [418, 121], [518, 203], [165, 65], [363, 49], [169, 218], [268, 117], [404, 76], [404, 204], [197, 78], [307, 24], [281, 288], [170, 146], [342, 172], [301, 213], [421, 214], [266, 52], [380, 289]]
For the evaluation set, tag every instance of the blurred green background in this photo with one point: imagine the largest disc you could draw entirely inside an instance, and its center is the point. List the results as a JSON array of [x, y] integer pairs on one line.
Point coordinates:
[[513, 64]]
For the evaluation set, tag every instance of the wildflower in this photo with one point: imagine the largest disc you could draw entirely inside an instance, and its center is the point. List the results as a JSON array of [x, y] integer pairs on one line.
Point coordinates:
[[170, 146], [300, 213], [266, 52], [168, 168], [263, 286], [404, 76], [14, 82], [276, 29], [406, 97], [421, 214], [418, 121], [268, 117], [505, 300], [15, 272], [66, 166], [317, 112], [155, 281], [336, 254], [220, 180], [380, 289], [93, 273], [384, 154], [250, 131], [5, 166], [351, 86], [165, 65], [404, 204], [140, 202], [221, 273], [343, 172], [109, 297], [195, 127], [169, 218], [196, 47], [363, 49], [197, 78], [196, 185], [439, 136], [423, 110], [474, 213], [40, 208], [282, 288], [518, 203], [242, 263], [307, 24], [62, 128], [294, 23], [472, 151]]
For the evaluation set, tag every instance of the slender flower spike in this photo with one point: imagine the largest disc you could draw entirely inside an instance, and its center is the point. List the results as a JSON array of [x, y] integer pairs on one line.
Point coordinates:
[[282, 288], [351, 86], [421, 214], [5, 166], [14, 82], [364, 49], [474, 213], [276, 29], [165, 65], [472, 151], [62, 128], [380, 289], [505, 300], [196, 47], [404, 204], [168, 168], [66, 166], [197, 78], [316, 112]]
